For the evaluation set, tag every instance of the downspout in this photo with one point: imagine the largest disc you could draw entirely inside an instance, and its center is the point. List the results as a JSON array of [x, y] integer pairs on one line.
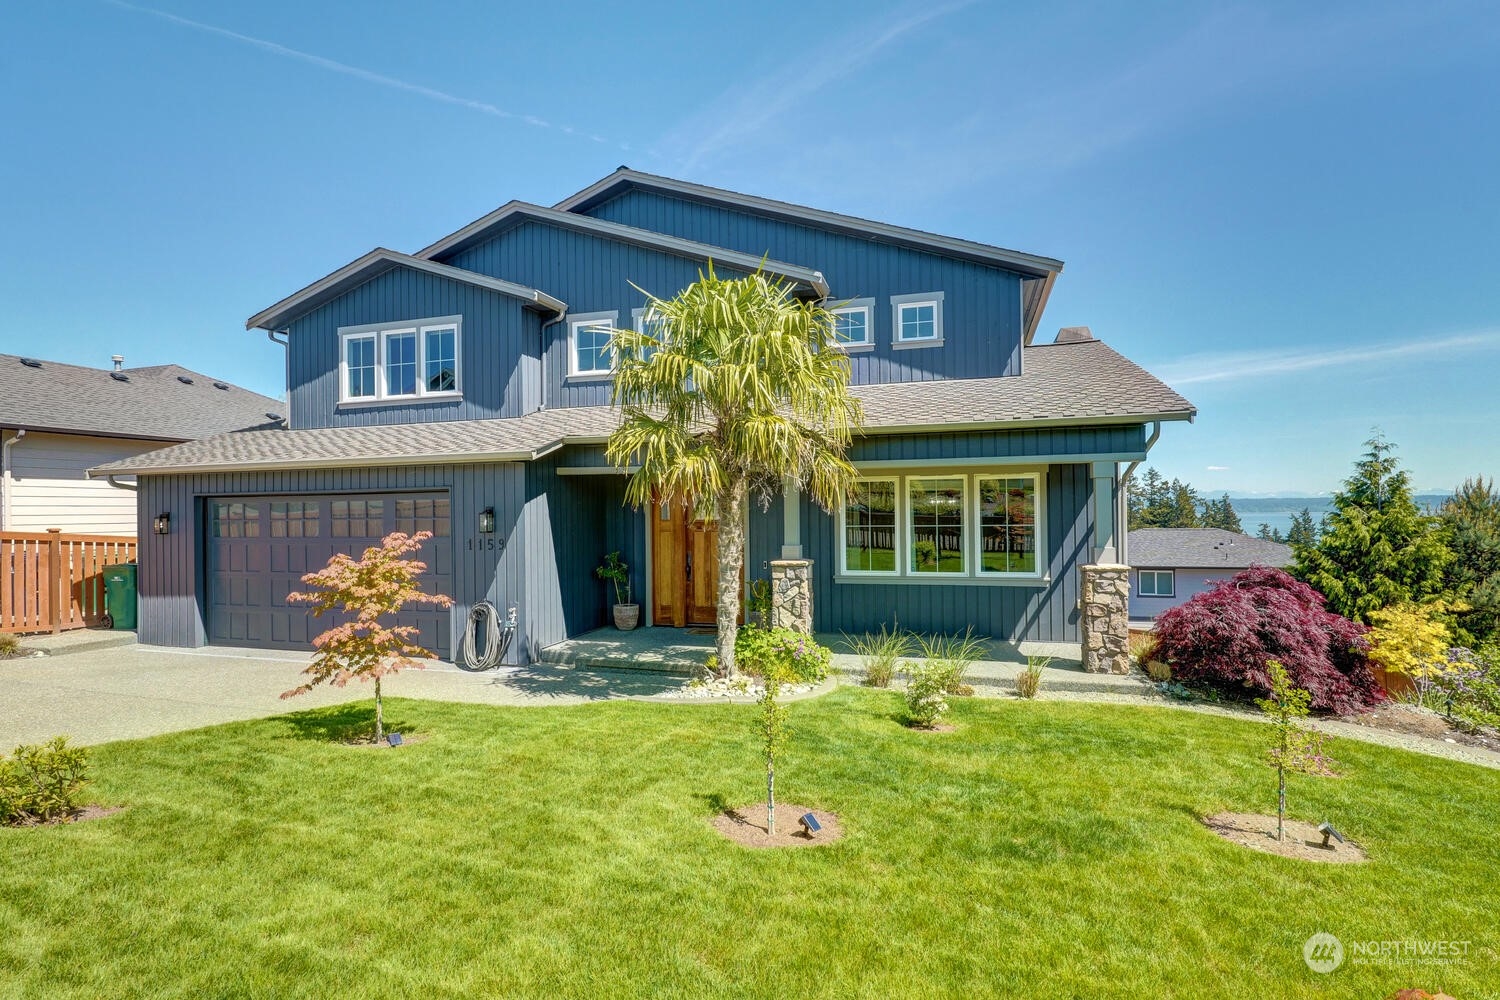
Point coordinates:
[[121, 486], [1124, 514], [541, 358], [286, 368], [5, 466]]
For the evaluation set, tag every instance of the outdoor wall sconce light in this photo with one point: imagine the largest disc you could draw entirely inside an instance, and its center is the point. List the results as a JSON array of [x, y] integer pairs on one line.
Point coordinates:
[[162, 524], [487, 521], [810, 825]]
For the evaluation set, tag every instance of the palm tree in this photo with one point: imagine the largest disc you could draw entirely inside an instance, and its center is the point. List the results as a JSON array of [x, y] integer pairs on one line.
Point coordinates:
[[729, 390]]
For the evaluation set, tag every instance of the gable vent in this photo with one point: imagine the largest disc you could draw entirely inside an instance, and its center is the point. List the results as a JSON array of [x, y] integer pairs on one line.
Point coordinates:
[[31, 362], [221, 385], [119, 376], [184, 380]]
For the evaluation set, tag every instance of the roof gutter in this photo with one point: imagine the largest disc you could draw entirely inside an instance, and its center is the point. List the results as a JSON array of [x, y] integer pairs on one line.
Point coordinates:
[[119, 485]]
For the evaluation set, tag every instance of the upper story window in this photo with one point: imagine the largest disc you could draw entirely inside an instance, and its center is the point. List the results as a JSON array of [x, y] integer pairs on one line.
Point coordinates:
[[394, 362], [590, 352], [917, 320], [852, 326], [647, 322]]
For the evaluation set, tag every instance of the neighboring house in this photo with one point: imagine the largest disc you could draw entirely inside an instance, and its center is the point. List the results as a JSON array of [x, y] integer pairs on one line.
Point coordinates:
[[465, 389], [57, 421], [1170, 565]]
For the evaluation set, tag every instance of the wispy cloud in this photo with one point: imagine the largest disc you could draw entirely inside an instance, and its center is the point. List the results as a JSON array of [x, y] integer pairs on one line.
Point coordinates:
[[1218, 468], [745, 111], [369, 76], [1231, 367]]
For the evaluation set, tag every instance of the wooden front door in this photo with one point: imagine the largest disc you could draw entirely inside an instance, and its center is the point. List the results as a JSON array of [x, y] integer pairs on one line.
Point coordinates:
[[684, 567]]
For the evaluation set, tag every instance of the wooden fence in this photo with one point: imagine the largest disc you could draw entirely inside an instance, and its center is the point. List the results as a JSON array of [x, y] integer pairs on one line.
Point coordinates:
[[51, 582]]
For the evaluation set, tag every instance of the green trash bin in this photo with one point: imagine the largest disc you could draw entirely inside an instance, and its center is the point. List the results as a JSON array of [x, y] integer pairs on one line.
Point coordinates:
[[119, 595]]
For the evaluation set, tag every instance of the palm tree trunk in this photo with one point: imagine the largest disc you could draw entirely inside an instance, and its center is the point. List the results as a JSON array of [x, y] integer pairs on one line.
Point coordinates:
[[731, 561]]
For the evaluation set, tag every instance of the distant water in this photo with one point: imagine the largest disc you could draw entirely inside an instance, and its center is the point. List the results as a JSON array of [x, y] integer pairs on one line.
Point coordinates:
[[1278, 511]]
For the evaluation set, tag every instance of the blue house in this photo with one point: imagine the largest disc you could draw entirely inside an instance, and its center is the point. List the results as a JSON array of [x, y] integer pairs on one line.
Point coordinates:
[[465, 389]]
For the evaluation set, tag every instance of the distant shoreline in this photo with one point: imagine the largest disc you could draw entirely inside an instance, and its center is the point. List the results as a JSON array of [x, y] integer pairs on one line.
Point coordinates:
[[1277, 512]]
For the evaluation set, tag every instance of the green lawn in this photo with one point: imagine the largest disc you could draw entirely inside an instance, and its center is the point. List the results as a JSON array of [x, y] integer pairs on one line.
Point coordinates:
[[1043, 849]]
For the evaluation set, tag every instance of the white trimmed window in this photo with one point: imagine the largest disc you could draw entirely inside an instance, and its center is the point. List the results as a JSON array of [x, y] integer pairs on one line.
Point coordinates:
[[400, 361], [853, 326], [1156, 583], [651, 325], [945, 526], [590, 352], [917, 320]]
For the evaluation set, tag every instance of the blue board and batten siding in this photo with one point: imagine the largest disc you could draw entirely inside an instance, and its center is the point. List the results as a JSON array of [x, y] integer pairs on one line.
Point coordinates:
[[981, 305], [591, 274], [498, 351]]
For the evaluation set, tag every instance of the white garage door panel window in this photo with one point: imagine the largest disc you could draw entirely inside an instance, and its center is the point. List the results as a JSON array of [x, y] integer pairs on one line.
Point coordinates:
[[260, 547]]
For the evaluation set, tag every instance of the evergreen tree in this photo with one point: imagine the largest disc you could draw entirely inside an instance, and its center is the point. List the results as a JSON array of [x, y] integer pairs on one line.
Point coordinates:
[[1268, 534], [1471, 526], [1303, 530], [1220, 513], [1377, 548]]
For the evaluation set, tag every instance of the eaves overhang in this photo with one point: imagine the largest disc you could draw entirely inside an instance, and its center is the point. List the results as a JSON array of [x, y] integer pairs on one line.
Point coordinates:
[[377, 262]]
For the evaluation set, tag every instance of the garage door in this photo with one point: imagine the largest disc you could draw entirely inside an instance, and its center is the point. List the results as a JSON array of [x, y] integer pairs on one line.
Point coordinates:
[[259, 548]]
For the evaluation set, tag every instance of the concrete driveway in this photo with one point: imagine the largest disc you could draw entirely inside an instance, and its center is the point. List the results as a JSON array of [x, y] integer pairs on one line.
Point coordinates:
[[97, 687]]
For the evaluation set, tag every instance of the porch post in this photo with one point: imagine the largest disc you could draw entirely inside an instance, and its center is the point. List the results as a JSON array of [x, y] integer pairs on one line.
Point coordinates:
[[791, 594], [791, 519], [1106, 543]]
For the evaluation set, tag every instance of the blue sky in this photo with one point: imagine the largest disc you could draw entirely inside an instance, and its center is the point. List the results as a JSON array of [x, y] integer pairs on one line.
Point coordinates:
[[1290, 211]]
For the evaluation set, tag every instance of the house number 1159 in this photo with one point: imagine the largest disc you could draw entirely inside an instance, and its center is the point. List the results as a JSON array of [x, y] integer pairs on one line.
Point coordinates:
[[487, 544]]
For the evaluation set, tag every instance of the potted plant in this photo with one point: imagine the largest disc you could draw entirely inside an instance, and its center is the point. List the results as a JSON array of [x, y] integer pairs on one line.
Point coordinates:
[[627, 615]]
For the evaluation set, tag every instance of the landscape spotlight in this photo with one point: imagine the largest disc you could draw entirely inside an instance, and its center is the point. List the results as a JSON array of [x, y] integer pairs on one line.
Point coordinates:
[[393, 739], [162, 524], [810, 825], [1327, 830]]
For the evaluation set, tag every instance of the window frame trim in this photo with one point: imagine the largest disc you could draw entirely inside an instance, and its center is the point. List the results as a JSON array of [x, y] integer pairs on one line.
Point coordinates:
[[612, 317], [1156, 575], [381, 333], [972, 575], [896, 571], [1038, 479], [900, 302], [965, 502], [866, 306]]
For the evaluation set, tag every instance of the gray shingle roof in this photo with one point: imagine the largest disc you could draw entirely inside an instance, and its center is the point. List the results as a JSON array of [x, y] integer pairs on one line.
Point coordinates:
[[1070, 383], [154, 403], [1203, 548]]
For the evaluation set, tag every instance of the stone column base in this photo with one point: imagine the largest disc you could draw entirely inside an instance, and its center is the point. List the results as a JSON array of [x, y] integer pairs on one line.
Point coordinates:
[[1105, 618], [791, 594]]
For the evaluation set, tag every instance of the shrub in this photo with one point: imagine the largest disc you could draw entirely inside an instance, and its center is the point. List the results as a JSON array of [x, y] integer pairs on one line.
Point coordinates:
[[1411, 640], [926, 694], [1469, 689], [40, 783], [9, 645], [1293, 748], [1223, 638], [1158, 671], [1029, 681], [791, 656], [953, 655], [1142, 647], [880, 653]]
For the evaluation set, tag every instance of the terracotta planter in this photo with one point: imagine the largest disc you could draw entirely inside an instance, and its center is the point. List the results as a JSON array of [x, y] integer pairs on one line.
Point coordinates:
[[627, 616]]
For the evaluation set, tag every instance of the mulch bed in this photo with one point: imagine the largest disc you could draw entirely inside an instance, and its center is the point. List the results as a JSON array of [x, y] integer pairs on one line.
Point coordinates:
[[367, 741], [1408, 720], [937, 727], [1303, 841], [746, 826], [76, 816]]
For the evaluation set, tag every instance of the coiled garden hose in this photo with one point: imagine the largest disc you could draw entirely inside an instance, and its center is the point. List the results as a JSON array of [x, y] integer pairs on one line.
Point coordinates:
[[497, 637]]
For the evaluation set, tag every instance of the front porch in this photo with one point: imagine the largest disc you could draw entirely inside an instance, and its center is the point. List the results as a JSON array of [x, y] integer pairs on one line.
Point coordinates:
[[685, 651]]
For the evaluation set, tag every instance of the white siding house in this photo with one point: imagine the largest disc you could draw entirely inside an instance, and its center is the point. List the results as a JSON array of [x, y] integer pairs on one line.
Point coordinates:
[[58, 421]]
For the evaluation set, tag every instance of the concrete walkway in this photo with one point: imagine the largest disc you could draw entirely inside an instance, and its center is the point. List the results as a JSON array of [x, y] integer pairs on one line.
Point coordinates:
[[96, 687]]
